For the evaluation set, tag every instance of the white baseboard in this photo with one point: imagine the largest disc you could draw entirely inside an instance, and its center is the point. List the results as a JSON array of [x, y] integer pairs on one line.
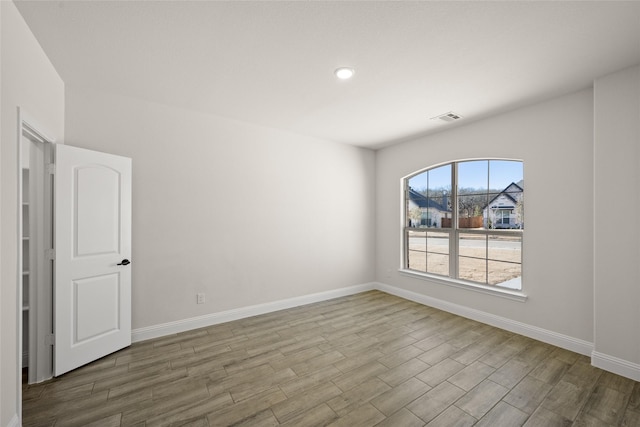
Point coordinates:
[[164, 329], [616, 365], [14, 421], [540, 334], [600, 360]]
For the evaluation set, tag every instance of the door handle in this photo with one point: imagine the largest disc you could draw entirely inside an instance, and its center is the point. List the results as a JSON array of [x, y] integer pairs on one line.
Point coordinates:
[[124, 262]]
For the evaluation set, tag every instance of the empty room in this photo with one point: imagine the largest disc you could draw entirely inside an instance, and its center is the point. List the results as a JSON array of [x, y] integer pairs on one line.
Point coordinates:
[[312, 213]]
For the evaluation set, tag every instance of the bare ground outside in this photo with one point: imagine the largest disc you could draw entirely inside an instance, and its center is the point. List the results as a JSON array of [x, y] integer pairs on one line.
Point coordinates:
[[493, 261]]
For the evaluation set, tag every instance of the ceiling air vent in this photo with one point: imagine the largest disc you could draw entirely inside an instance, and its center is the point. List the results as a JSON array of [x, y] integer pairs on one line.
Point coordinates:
[[448, 117]]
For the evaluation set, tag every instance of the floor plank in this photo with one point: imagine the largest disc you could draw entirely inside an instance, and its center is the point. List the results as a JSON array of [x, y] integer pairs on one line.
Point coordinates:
[[361, 360]]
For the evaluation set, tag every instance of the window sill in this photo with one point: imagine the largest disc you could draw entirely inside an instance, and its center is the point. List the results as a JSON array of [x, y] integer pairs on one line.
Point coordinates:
[[483, 289]]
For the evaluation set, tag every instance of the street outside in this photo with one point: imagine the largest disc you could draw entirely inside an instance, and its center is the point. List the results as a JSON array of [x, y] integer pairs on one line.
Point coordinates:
[[503, 260]]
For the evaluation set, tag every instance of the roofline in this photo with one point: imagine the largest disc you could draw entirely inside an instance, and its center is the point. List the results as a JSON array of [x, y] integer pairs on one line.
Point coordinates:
[[506, 194]]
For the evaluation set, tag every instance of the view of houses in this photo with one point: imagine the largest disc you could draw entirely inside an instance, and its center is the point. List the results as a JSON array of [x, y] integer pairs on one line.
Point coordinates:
[[493, 209]]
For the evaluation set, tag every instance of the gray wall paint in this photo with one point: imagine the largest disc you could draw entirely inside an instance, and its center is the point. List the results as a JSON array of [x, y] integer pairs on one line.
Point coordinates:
[[554, 139], [29, 81], [243, 213], [617, 201]]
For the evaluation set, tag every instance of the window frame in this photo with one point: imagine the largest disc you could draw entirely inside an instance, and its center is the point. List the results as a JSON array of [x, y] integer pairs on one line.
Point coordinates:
[[454, 233]]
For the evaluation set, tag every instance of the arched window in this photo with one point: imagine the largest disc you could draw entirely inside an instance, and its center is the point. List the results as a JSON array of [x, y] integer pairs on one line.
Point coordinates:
[[464, 220]]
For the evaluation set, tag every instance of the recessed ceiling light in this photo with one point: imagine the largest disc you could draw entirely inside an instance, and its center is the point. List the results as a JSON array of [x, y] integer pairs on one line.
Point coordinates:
[[344, 73]]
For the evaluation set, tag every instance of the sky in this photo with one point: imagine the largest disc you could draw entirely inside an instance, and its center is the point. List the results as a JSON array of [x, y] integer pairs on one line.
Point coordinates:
[[472, 174]]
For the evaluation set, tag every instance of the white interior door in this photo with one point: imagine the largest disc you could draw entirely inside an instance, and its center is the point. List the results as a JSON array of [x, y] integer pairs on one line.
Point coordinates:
[[92, 287]]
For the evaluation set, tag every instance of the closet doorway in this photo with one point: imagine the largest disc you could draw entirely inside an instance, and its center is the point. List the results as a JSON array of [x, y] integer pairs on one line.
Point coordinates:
[[35, 287], [74, 253]]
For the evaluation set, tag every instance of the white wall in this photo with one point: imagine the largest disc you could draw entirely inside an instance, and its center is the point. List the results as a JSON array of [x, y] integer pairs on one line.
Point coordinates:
[[617, 231], [28, 80], [245, 214], [554, 139]]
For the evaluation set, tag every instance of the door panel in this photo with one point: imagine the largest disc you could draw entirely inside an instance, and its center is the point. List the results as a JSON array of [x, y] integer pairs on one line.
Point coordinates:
[[89, 211], [95, 307], [92, 292]]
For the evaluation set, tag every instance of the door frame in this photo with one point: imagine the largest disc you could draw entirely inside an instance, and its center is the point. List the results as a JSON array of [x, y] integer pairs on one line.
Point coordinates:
[[29, 127]]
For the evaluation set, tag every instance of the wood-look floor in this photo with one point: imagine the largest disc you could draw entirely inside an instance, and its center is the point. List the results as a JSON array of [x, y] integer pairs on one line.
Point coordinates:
[[363, 360]]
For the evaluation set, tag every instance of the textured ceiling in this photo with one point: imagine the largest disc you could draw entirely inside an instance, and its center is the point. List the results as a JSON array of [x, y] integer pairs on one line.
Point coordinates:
[[271, 63]]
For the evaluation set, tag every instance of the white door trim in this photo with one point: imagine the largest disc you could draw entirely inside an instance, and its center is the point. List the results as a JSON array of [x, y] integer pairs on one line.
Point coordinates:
[[28, 125]]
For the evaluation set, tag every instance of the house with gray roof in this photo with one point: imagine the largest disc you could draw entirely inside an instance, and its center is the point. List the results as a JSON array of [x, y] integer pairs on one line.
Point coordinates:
[[505, 210], [427, 211]]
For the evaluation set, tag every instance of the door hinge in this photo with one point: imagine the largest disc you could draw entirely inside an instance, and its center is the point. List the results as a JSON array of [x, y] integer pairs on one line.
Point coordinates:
[[51, 168], [50, 339], [51, 254]]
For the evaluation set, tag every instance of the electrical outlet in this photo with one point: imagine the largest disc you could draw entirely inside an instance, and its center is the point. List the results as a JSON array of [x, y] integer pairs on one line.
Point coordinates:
[[200, 298]]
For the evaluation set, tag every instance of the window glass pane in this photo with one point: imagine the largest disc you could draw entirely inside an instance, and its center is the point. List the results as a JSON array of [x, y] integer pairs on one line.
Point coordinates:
[[473, 175], [472, 245], [417, 261], [474, 269], [472, 251], [505, 261], [414, 213], [428, 204], [472, 193], [428, 252], [417, 187], [439, 212], [418, 182], [505, 248], [438, 242], [503, 173], [437, 263], [438, 253], [417, 244], [505, 274], [440, 183], [505, 209], [470, 207], [417, 240], [438, 191]]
